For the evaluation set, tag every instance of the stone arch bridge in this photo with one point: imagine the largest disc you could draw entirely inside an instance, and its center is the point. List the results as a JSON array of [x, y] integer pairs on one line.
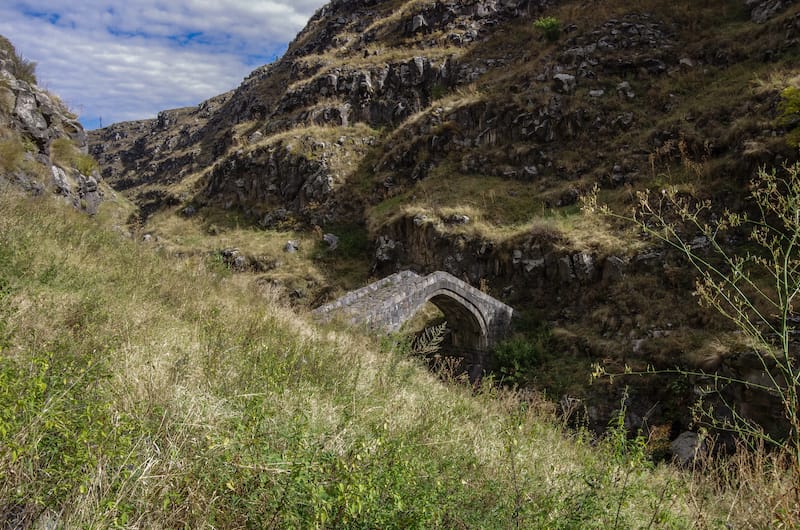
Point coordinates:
[[477, 321]]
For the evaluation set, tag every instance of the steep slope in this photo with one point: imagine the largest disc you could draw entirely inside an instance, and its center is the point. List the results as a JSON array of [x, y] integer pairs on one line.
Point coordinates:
[[139, 390], [363, 65], [414, 108], [43, 147], [462, 138]]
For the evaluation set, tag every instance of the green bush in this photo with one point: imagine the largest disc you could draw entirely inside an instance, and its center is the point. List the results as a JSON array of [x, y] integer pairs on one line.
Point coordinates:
[[517, 358], [56, 428], [61, 150], [86, 164], [550, 27], [438, 91]]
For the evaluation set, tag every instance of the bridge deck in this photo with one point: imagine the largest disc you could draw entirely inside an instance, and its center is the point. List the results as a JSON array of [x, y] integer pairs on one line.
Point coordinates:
[[389, 302], [361, 303]]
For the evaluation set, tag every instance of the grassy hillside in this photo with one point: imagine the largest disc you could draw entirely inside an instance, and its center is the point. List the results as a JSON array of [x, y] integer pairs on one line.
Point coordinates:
[[140, 390]]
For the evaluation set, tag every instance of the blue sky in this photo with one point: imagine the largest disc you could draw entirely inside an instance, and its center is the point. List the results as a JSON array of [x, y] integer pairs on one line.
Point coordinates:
[[127, 60]]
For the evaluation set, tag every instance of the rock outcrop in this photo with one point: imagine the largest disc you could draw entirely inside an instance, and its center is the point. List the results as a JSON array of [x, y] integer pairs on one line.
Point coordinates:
[[763, 10], [32, 120]]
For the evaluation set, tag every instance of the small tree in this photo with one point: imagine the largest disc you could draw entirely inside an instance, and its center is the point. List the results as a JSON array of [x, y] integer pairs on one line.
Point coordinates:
[[754, 289]]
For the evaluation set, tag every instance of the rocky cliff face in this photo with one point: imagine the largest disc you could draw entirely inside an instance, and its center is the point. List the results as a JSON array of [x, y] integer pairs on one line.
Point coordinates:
[[463, 138], [467, 85], [353, 64], [34, 125]]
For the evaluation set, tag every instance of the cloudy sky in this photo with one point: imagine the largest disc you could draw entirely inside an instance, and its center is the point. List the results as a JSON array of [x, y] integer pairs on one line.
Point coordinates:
[[124, 60]]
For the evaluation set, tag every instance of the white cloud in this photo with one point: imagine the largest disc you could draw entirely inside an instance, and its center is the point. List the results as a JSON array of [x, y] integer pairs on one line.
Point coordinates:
[[128, 60]]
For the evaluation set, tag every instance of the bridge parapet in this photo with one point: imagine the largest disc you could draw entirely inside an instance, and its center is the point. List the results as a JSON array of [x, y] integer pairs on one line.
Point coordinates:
[[478, 321]]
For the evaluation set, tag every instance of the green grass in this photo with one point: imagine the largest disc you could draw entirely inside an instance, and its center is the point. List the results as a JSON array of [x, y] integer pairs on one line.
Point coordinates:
[[66, 154], [139, 390], [144, 391], [11, 154]]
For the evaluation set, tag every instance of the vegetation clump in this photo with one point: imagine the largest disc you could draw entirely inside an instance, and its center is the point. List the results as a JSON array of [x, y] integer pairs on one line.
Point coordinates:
[[790, 113], [550, 27], [64, 152], [19, 67], [12, 153]]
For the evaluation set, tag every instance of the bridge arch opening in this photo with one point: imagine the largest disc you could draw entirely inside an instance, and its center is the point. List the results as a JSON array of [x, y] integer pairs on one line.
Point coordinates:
[[467, 329], [465, 336]]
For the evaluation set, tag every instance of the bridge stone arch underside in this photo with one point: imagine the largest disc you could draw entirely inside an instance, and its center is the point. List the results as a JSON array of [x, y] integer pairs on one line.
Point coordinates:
[[477, 321], [468, 325]]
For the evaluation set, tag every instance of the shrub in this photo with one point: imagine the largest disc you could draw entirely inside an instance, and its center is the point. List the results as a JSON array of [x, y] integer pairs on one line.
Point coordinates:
[[438, 91], [517, 358], [790, 113], [56, 428], [7, 98], [85, 164], [21, 68], [62, 150], [550, 27]]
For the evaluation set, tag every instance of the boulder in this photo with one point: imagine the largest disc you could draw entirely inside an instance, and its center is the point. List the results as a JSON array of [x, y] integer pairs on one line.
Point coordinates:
[[617, 176], [89, 184], [564, 83], [418, 23], [686, 447], [27, 111], [386, 249], [583, 267], [763, 10], [457, 219], [420, 219], [568, 197], [566, 274], [614, 269], [532, 265], [60, 181], [624, 89], [331, 240]]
